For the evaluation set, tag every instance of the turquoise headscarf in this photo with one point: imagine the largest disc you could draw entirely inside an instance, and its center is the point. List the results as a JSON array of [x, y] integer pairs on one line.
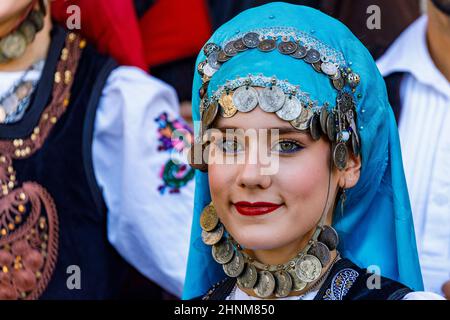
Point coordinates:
[[376, 227]]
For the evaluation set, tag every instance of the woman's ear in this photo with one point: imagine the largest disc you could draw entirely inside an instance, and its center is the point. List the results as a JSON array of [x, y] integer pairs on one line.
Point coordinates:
[[350, 175]]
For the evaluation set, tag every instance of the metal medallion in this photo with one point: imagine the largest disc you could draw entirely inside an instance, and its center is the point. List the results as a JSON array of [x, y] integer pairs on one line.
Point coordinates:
[[353, 79], [300, 53], [340, 155], [235, 267], [28, 30], [223, 251], [213, 237], [251, 40], [312, 56], [308, 268], [265, 285], [209, 219], [210, 48], [230, 50], [248, 277], [323, 119], [291, 109], [210, 113], [337, 75], [345, 102], [271, 99], [321, 252], [37, 18], [13, 45], [329, 68], [222, 57], [239, 45], [331, 127], [297, 284], [329, 237], [338, 84], [267, 45], [245, 99], [283, 284], [314, 127], [302, 122], [213, 60], [317, 66], [227, 109], [287, 47]]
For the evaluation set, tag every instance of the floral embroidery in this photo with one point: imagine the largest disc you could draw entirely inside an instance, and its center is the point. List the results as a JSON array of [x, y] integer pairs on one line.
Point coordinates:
[[341, 284], [174, 136]]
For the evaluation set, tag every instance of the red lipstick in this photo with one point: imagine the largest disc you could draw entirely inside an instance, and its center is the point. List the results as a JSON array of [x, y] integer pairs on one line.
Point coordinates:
[[255, 208]]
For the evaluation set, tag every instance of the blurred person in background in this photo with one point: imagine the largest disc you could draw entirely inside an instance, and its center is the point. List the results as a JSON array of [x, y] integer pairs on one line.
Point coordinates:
[[417, 72], [89, 190]]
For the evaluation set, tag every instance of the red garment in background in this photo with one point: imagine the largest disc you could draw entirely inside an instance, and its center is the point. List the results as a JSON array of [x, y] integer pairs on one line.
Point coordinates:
[[111, 25], [174, 29], [169, 31]]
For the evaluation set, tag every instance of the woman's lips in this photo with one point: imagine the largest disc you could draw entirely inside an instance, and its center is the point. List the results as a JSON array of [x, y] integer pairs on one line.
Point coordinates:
[[255, 208]]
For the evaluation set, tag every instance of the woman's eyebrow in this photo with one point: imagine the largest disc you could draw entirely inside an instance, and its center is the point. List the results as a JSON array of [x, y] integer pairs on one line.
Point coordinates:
[[282, 130]]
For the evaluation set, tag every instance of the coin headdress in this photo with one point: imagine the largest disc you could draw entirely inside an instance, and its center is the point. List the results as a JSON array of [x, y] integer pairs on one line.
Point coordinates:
[[13, 45], [315, 74]]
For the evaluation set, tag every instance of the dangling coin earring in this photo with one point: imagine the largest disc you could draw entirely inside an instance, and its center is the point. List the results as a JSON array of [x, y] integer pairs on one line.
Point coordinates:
[[343, 198]]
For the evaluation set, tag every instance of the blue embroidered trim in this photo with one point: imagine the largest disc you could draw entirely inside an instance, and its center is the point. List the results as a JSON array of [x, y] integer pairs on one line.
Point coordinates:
[[341, 284]]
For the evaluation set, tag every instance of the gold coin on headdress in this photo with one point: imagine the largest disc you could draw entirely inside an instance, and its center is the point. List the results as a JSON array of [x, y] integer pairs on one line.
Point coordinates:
[[209, 218], [227, 109]]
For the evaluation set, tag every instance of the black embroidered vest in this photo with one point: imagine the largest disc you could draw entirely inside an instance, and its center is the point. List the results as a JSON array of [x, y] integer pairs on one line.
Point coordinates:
[[52, 214]]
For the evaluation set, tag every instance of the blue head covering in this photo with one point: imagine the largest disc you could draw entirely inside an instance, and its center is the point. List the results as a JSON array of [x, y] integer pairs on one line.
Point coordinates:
[[376, 227]]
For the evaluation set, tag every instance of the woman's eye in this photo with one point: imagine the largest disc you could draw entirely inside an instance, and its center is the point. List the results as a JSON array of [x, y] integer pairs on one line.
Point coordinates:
[[230, 146], [287, 146]]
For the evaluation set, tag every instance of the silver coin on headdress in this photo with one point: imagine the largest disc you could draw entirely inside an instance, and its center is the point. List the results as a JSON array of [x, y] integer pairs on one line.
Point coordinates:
[[13, 45], [297, 284], [300, 53], [338, 83], [302, 122], [230, 50], [223, 251], [331, 127], [329, 68], [212, 60], [312, 56], [265, 285], [248, 277], [251, 40], [235, 267], [28, 29], [245, 98], [267, 45], [37, 18], [271, 99], [308, 268], [291, 109], [323, 119], [314, 127], [239, 45], [287, 47], [317, 66], [214, 236], [337, 75], [340, 155], [210, 48], [329, 237], [222, 57], [321, 252], [283, 283]]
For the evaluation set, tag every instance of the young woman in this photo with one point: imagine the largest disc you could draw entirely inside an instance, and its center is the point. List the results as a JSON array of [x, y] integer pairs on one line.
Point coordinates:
[[303, 183]]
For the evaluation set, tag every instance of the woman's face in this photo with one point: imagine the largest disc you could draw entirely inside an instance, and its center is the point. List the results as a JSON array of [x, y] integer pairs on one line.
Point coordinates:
[[291, 197]]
